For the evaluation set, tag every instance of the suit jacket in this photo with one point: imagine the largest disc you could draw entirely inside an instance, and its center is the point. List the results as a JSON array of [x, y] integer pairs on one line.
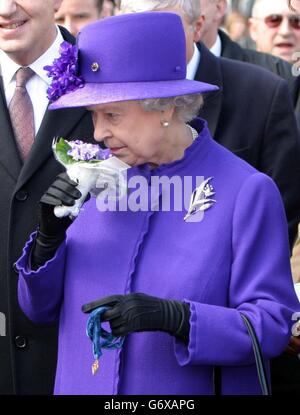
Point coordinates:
[[28, 352], [252, 115], [280, 67]]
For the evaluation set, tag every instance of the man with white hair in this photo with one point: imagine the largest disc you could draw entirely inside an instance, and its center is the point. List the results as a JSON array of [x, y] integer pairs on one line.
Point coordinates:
[[213, 12], [275, 28], [251, 114], [220, 44]]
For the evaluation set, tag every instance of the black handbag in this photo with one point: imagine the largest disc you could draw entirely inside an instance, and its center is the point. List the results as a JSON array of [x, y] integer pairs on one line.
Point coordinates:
[[260, 366]]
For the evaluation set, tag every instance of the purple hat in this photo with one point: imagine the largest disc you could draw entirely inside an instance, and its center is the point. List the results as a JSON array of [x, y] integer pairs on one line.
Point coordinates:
[[128, 57]]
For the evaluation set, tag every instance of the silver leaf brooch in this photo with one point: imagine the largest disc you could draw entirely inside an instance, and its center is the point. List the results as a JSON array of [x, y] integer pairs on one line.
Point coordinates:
[[201, 200]]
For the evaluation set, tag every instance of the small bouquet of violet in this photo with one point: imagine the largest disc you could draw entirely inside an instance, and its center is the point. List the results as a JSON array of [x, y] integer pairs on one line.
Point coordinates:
[[91, 167]]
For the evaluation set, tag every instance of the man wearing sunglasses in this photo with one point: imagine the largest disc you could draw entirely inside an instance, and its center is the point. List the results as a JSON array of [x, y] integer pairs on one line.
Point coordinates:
[[220, 44], [275, 28]]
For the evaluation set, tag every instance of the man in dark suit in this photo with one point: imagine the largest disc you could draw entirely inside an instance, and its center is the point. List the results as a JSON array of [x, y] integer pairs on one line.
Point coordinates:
[[252, 114], [278, 66], [275, 29], [28, 38], [221, 45], [232, 50]]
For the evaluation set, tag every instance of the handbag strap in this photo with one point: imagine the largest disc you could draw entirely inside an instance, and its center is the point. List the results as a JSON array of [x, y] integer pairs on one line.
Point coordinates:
[[260, 366]]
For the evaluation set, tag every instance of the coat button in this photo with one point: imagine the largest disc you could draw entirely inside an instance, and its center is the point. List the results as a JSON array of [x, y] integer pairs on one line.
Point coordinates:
[[20, 342], [21, 196]]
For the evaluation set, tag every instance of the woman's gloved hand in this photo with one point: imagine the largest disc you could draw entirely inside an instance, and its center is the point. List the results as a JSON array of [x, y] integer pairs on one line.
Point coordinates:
[[140, 312], [52, 230], [63, 191]]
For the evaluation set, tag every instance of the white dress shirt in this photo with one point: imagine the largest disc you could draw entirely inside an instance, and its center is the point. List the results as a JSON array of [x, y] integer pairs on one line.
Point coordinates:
[[297, 289], [37, 86], [216, 49], [193, 64]]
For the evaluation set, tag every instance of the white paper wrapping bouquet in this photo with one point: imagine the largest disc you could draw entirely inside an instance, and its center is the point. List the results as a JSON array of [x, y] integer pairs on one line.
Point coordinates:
[[93, 168]]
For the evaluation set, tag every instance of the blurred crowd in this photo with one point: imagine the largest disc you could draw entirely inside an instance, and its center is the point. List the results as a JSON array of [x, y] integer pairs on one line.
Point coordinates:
[[74, 14], [266, 26], [262, 25]]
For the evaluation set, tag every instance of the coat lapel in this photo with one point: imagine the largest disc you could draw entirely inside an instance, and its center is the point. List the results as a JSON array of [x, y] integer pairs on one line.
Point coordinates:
[[9, 156], [230, 49], [209, 71], [55, 124]]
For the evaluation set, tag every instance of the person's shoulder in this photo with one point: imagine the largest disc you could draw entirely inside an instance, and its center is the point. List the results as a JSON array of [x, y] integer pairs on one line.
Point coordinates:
[[230, 49], [236, 172], [237, 70], [220, 156], [233, 51], [241, 174], [270, 62], [248, 72], [256, 57]]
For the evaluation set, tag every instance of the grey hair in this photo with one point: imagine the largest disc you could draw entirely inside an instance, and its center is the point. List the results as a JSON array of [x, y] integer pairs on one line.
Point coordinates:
[[191, 8], [186, 106]]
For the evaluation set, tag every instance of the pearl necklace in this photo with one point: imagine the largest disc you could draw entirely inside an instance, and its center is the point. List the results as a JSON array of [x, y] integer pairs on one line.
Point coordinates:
[[193, 131]]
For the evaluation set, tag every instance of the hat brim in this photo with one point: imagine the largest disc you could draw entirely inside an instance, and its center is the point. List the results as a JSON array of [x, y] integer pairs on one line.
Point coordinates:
[[101, 93]]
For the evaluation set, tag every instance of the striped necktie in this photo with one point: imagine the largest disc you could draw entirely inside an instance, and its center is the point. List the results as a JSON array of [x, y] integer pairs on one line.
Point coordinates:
[[21, 113]]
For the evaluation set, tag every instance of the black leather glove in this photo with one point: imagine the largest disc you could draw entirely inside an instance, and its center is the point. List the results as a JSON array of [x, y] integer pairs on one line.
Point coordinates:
[[140, 312], [52, 230]]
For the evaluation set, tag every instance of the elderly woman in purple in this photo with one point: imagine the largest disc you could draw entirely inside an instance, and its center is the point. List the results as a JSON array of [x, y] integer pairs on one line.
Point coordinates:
[[172, 283]]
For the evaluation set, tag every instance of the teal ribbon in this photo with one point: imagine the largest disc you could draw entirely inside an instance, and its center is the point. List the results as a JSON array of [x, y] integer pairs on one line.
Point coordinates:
[[101, 338]]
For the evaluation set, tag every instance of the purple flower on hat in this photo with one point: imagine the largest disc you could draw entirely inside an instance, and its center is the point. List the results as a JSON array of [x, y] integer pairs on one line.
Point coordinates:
[[64, 73]]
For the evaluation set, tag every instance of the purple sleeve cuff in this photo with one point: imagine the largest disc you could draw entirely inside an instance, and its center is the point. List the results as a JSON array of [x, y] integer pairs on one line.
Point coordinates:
[[218, 336], [40, 291]]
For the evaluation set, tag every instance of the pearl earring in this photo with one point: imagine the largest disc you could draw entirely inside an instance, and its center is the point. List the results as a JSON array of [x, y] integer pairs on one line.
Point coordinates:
[[165, 124]]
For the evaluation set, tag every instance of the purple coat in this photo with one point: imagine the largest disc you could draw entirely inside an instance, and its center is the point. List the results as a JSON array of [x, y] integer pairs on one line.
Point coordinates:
[[235, 260]]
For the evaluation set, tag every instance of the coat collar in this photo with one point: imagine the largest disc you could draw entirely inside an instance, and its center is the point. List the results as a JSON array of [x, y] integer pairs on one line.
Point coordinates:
[[230, 49], [209, 70]]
